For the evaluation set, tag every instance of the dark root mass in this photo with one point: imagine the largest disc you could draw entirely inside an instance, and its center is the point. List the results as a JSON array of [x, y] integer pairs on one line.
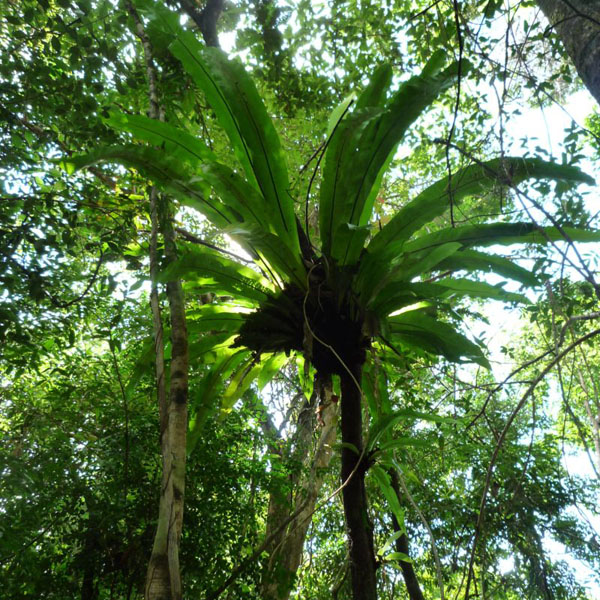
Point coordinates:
[[314, 323]]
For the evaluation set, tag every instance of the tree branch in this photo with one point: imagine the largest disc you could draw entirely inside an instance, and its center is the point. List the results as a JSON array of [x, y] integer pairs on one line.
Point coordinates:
[[206, 19]]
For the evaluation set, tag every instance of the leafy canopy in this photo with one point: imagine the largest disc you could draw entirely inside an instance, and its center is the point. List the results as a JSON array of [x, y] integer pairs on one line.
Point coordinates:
[[328, 295]]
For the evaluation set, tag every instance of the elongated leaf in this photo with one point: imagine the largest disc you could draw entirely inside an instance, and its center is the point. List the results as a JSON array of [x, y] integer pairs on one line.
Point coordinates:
[[387, 422], [237, 193], [171, 175], [205, 266], [433, 336], [240, 111], [364, 143], [375, 92], [270, 368], [287, 264], [343, 144], [215, 317], [179, 144], [383, 481], [209, 348], [400, 294], [404, 442], [478, 289], [389, 542], [472, 260], [337, 113], [238, 202], [473, 180], [401, 556], [239, 383], [206, 398], [502, 234], [375, 275]]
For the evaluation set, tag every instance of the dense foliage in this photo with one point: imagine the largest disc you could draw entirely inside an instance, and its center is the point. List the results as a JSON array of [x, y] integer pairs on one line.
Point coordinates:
[[362, 155]]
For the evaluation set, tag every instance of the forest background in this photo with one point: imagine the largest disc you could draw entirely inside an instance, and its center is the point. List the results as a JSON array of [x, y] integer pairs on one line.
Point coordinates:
[[481, 482]]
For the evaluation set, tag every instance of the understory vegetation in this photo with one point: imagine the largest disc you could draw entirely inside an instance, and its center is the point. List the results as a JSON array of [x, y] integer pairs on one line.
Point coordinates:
[[299, 300]]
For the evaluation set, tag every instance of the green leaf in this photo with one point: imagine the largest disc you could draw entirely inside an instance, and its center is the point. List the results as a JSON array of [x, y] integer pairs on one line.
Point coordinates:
[[239, 383], [392, 556], [375, 92], [215, 317], [171, 175], [472, 260], [347, 445], [360, 149], [479, 289], [334, 208], [389, 542], [235, 192], [386, 422], [399, 295], [420, 331], [407, 442], [179, 144], [207, 268], [383, 481], [491, 7], [274, 251], [270, 368], [242, 114], [469, 181], [378, 281], [500, 233], [351, 237], [205, 400], [209, 348], [337, 113]]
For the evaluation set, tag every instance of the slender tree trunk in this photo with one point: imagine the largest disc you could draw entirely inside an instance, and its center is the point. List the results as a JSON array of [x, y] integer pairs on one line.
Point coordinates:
[[577, 23], [163, 578], [360, 529], [408, 573], [592, 411], [88, 590], [287, 548]]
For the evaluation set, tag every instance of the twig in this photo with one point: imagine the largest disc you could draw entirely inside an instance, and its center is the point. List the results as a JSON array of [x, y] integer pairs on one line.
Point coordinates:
[[501, 438], [456, 107], [190, 237]]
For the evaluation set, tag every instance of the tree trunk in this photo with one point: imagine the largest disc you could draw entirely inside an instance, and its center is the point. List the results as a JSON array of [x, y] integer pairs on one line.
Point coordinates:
[[408, 573], [163, 580], [360, 529], [287, 548], [577, 23]]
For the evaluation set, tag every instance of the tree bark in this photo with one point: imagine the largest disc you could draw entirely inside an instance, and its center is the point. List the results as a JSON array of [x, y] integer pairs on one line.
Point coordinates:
[[360, 530], [577, 23], [287, 548], [206, 19], [408, 573], [163, 578]]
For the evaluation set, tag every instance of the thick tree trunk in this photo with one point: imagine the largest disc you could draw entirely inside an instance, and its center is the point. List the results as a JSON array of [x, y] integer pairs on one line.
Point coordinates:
[[577, 23], [360, 529], [287, 548]]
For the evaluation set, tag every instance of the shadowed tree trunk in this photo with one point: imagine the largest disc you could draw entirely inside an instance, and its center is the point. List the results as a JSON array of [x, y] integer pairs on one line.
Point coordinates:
[[408, 573], [577, 24], [287, 547], [360, 529]]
